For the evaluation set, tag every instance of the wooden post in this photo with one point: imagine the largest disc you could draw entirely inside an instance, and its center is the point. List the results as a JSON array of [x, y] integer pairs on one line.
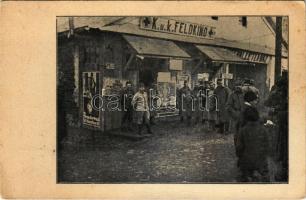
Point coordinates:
[[278, 48], [226, 65]]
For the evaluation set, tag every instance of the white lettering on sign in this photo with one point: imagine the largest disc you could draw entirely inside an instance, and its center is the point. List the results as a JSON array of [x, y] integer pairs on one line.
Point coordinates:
[[177, 27], [227, 76]]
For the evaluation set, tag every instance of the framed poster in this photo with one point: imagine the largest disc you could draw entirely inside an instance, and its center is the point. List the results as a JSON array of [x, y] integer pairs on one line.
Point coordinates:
[[91, 88]]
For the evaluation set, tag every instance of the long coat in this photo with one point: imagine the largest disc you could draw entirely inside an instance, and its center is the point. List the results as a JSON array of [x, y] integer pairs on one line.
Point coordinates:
[[235, 106], [185, 101], [252, 146], [222, 94]]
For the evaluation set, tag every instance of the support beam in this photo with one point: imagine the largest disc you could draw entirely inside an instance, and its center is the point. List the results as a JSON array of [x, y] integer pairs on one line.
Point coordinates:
[[278, 48], [127, 65], [271, 24], [198, 65]]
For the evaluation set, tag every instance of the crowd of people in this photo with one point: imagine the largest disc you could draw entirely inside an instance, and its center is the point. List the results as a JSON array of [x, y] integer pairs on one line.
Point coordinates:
[[237, 111]]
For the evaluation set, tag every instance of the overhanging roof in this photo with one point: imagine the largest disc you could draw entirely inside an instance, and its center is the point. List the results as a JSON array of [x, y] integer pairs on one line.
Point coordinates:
[[135, 30], [155, 47], [220, 54]]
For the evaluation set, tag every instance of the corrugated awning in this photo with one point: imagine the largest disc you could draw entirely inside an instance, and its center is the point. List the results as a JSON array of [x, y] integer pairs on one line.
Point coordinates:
[[155, 47], [220, 54]]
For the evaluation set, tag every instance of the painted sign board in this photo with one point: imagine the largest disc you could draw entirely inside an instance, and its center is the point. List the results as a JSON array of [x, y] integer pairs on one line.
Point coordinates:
[[176, 64], [165, 25]]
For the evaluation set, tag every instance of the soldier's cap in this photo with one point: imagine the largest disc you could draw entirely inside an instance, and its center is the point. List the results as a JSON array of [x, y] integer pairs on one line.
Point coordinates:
[[247, 81], [238, 82]]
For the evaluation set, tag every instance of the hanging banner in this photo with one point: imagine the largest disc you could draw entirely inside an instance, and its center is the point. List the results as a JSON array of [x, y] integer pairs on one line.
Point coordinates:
[[177, 27], [91, 113]]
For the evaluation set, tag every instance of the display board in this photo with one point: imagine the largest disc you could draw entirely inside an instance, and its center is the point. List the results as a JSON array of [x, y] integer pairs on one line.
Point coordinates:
[[91, 88]]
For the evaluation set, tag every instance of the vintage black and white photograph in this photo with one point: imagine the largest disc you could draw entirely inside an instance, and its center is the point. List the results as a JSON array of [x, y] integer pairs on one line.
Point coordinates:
[[172, 99]]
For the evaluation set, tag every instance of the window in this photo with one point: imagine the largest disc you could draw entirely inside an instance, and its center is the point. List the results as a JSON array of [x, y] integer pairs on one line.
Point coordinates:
[[243, 21], [214, 17]]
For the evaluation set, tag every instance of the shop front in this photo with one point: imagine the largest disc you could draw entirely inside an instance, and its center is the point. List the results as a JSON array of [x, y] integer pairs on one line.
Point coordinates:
[[102, 61]]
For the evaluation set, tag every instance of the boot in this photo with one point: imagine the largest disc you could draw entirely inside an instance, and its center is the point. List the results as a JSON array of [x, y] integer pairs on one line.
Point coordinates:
[[149, 129], [221, 128], [139, 129]]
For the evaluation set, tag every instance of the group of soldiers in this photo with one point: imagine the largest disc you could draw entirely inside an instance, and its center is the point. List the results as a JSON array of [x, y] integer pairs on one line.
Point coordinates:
[[217, 107], [237, 110]]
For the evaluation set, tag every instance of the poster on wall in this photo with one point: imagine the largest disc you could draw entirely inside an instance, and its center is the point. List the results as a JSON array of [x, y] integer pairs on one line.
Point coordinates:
[[91, 115], [166, 91]]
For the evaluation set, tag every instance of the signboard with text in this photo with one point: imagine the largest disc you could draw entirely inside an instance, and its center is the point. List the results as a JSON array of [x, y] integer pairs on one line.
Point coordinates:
[[203, 76], [177, 27], [176, 64], [227, 76]]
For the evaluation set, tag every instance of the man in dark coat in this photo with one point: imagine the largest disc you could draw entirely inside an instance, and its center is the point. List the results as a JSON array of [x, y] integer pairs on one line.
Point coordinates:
[[126, 100], [278, 100], [185, 103], [252, 147], [197, 112], [222, 94], [212, 106], [235, 105]]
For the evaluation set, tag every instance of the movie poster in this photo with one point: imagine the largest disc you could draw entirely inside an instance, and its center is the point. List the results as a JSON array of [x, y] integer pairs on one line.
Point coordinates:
[[91, 112]]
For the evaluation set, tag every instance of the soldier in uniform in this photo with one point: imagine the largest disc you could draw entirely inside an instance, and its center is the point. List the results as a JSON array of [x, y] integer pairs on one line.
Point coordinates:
[[126, 100], [235, 105], [222, 94], [197, 111], [184, 104], [212, 106], [141, 106]]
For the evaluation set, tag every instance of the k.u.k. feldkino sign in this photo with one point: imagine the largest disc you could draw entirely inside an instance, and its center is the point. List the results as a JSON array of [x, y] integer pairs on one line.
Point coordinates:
[[177, 27]]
